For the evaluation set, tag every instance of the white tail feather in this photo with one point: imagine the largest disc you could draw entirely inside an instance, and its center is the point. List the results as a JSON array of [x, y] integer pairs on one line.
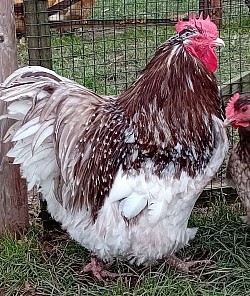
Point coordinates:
[[28, 129], [39, 99], [11, 132], [17, 116], [42, 134], [19, 146], [40, 154], [19, 107], [22, 156]]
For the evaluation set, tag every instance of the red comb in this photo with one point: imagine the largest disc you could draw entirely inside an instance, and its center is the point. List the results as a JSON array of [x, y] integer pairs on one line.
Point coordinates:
[[230, 105], [204, 25]]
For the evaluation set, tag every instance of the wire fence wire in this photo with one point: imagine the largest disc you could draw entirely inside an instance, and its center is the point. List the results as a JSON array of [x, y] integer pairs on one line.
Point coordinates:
[[104, 44]]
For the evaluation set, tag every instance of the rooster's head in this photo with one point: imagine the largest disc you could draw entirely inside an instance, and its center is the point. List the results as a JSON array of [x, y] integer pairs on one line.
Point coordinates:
[[238, 111], [200, 37]]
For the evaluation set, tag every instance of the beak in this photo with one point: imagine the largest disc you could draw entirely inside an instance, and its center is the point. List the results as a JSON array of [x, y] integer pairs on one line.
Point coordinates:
[[228, 121], [218, 42]]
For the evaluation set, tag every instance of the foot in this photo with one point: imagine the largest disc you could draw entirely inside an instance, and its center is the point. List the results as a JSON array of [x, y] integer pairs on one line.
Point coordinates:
[[97, 269], [245, 219], [184, 266]]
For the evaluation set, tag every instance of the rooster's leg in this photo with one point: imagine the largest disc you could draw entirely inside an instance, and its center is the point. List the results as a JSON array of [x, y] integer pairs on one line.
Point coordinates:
[[184, 266], [97, 269], [246, 219]]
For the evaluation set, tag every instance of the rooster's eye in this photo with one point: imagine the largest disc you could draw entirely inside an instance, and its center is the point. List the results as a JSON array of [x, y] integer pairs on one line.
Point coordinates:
[[244, 109], [187, 32]]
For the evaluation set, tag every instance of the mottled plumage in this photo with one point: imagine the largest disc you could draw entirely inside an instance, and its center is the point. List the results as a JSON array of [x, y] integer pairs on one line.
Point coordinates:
[[238, 168], [123, 174]]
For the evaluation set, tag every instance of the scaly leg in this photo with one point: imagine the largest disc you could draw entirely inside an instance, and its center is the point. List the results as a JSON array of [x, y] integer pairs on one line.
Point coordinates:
[[97, 269], [184, 266]]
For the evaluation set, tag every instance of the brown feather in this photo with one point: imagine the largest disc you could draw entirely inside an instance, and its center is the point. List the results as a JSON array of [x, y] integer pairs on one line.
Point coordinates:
[[238, 168]]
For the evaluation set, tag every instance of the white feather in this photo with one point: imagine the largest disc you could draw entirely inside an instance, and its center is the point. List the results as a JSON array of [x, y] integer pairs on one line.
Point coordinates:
[[131, 206], [17, 116], [32, 179], [122, 188], [11, 131], [45, 130], [13, 152], [20, 146], [24, 155], [19, 107], [49, 168], [28, 129], [20, 94], [41, 154], [157, 210]]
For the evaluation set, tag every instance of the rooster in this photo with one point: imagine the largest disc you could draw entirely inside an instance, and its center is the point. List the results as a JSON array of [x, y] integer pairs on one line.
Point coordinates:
[[238, 168], [122, 174]]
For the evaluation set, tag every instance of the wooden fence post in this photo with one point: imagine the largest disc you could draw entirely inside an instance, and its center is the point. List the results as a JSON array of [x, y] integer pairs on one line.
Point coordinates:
[[13, 190], [38, 33], [213, 8], [40, 54]]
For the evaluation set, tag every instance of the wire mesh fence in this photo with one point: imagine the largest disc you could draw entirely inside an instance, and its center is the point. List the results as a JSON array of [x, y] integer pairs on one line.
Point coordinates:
[[105, 44]]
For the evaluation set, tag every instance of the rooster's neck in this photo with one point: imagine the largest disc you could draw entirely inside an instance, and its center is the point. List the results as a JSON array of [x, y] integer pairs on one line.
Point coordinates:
[[170, 109], [173, 79], [243, 146], [175, 88], [244, 141]]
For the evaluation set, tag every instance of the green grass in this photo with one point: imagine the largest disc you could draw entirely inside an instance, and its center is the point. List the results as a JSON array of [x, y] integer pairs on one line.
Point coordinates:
[[38, 265], [110, 63], [235, 57], [120, 9]]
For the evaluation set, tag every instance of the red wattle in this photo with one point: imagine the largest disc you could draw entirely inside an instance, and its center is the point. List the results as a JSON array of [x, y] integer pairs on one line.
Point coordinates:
[[206, 54]]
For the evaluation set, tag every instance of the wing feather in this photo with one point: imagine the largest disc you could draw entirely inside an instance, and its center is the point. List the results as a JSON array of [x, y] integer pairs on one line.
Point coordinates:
[[157, 211], [131, 206]]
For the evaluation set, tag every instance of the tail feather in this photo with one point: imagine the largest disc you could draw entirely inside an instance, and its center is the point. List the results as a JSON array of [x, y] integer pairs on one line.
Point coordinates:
[[42, 134], [50, 113], [21, 107], [28, 129], [11, 132], [31, 74]]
